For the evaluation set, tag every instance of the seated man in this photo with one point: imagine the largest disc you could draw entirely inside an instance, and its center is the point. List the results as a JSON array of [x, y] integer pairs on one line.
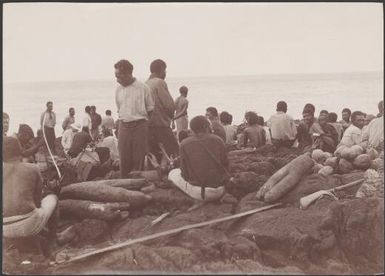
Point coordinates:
[[230, 130], [111, 142], [373, 135], [338, 126], [80, 142], [303, 134], [203, 163], [324, 135], [29, 146], [26, 206], [68, 136], [254, 134], [215, 126], [353, 134]]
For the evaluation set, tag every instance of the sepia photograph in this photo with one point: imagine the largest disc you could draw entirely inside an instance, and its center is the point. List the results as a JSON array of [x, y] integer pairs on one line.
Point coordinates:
[[193, 138]]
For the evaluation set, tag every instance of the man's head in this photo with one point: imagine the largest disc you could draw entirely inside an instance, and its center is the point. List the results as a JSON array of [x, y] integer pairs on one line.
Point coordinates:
[[252, 118], [358, 119], [183, 91], [346, 112], [211, 113], [369, 118], [71, 111], [25, 133], [281, 106], [323, 111], [87, 109], [323, 119], [381, 108], [158, 68], [224, 117], [261, 121], [49, 106], [310, 107], [123, 72], [11, 149], [93, 109], [333, 117], [183, 134], [108, 112], [5, 122], [308, 115], [199, 124]]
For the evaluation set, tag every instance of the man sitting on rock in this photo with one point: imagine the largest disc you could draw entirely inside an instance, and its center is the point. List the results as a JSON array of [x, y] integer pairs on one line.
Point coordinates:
[[353, 134], [203, 163]]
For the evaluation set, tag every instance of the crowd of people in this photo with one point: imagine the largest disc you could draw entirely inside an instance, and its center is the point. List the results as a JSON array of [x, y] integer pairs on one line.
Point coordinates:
[[151, 121]]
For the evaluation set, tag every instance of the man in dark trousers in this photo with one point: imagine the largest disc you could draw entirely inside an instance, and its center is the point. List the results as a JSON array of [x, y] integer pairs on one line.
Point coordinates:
[[159, 127], [135, 105], [48, 122]]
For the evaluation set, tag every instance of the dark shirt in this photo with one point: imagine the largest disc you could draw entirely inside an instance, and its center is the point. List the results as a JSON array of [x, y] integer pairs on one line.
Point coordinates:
[[328, 140], [256, 135], [197, 165], [303, 135], [96, 120], [79, 143], [218, 130]]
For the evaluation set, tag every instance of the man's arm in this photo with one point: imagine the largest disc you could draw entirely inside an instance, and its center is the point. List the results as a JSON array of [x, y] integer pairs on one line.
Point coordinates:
[[54, 118], [165, 99], [148, 101], [65, 122], [117, 100], [183, 112], [245, 138], [42, 119]]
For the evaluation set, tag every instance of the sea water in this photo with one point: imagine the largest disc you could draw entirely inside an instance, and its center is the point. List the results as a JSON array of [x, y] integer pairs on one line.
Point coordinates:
[[25, 102]]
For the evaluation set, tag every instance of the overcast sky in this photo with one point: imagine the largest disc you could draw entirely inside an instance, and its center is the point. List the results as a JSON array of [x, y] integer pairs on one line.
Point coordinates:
[[70, 41]]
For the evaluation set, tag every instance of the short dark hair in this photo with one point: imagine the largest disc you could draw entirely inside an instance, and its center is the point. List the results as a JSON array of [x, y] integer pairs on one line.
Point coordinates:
[[87, 109], [347, 110], [261, 121], [212, 110], [308, 110], [252, 118], [324, 111], [124, 66], [282, 106], [333, 117], [183, 134], [308, 107], [157, 66], [108, 112], [11, 148], [230, 119], [85, 129], [26, 129], [93, 107], [183, 90], [49, 102], [198, 124], [71, 108], [224, 117], [355, 114], [5, 115]]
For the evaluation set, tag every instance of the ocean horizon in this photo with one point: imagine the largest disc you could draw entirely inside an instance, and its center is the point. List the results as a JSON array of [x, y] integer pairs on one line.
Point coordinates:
[[25, 101]]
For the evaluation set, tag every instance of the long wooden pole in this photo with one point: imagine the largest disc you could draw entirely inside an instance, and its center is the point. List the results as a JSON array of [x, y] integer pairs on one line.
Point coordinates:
[[165, 233]]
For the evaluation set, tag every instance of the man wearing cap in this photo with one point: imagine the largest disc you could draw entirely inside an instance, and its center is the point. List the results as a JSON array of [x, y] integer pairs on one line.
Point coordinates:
[[27, 206], [68, 136], [181, 105], [48, 122]]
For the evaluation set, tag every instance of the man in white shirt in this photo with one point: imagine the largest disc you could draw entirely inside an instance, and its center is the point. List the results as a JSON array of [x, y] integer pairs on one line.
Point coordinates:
[[353, 134], [68, 136], [69, 119], [86, 120], [108, 122], [282, 127], [48, 122], [373, 135], [135, 105]]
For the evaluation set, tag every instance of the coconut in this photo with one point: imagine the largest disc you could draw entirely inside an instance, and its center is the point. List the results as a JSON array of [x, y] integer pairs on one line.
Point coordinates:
[[328, 155], [362, 161], [317, 168], [332, 162], [372, 153], [376, 163], [326, 170], [345, 166], [349, 153], [318, 156]]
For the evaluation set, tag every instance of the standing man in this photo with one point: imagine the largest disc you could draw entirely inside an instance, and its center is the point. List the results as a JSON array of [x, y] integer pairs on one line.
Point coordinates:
[[96, 121], [282, 126], [216, 127], [108, 123], [69, 119], [181, 105], [159, 128], [135, 106], [48, 122], [5, 124]]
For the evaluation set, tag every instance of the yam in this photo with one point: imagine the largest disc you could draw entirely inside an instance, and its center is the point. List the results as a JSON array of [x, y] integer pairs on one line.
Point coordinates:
[[83, 209], [326, 170], [152, 175], [273, 180], [345, 166], [328, 155], [332, 162], [318, 156], [362, 161], [317, 168], [349, 154], [372, 153], [103, 193], [377, 163], [296, 169], [358, 149], [129, 184]]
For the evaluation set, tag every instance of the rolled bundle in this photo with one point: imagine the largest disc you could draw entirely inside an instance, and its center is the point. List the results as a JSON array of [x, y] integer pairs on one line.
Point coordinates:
[[90, 209], [129, 184], [103, 193]]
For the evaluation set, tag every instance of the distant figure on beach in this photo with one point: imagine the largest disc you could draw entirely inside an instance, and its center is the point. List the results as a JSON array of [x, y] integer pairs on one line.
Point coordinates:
[[346, 113], [261, 122], [96, 121], [231, 131], [160, 122], [79, 142], [353, 134], [254, 132], [216, 127], [135, 106], [282, 126], [338, 126], [5, 124], [27, 207], [203, 161], [86, 120], [108, 122], [47, 123], [373, 135], [181, 105], [110, 141], [303, 131], [324, 136], [69, 119], [68, 136]]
